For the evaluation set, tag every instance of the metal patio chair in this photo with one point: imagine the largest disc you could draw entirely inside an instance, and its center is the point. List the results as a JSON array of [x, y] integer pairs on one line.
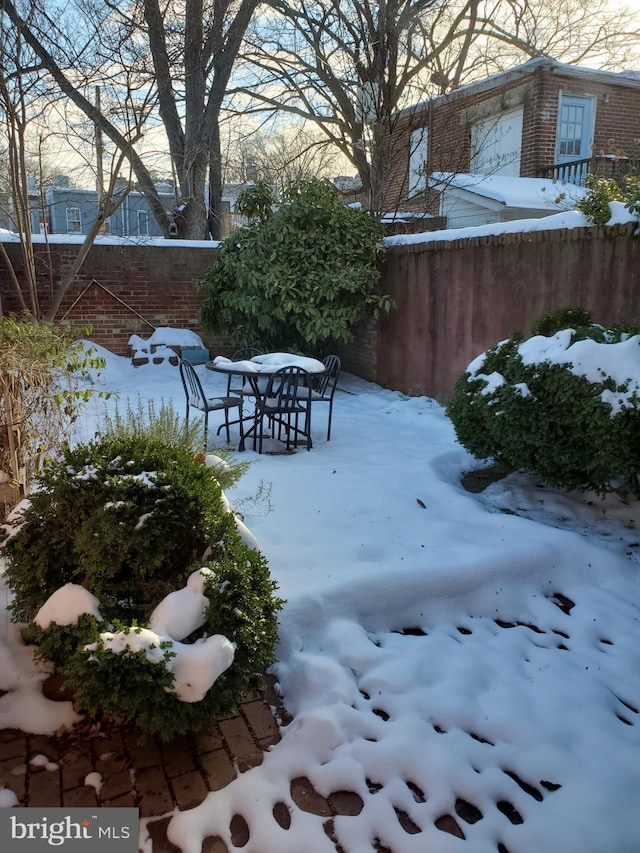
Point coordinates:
[[239, 386], [197, 399], [285, 404], [324, 386]]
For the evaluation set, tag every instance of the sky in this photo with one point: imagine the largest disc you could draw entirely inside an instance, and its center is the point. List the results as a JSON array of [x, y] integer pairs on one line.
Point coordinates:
[[442, 652]]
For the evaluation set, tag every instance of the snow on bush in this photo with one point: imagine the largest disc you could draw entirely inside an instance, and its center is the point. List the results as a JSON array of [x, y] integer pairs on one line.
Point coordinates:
[[107, 565], [565, 406]]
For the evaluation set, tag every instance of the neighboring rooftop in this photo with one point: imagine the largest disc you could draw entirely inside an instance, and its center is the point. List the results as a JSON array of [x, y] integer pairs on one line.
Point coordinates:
[[529, 193], [615, 78]]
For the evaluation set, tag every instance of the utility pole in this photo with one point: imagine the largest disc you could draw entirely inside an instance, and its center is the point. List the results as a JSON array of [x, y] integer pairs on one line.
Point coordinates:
[[99, 153], [99, 158]]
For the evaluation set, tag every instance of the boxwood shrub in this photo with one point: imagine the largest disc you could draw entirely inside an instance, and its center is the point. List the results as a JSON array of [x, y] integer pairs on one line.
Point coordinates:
[[130, 519], [574, 428]]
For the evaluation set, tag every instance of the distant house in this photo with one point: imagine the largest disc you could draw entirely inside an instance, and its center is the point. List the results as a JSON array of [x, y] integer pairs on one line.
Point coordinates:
[[542, 119], [72, 210]]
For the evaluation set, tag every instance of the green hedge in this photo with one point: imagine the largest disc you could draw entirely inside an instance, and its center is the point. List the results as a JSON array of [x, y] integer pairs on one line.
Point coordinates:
[[129, 519], [572, 430], [299, 275]]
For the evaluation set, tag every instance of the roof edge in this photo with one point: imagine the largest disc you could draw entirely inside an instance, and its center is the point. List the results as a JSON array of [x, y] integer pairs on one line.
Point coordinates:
[[613, 78]]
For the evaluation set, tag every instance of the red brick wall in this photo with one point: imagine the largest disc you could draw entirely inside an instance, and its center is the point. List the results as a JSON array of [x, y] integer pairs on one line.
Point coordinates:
[[617, 119], [122, 289]]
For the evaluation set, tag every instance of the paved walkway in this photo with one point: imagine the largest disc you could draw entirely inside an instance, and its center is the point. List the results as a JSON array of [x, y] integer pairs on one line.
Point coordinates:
[[154, 776]]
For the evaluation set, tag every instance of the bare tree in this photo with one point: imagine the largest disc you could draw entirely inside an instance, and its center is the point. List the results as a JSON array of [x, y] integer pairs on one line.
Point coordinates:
[[352, 66], [25, 104], [282, 157], [171, 59]]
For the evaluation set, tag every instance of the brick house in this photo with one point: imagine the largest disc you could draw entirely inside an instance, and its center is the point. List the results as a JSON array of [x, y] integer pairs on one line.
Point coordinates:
[[542, 119]]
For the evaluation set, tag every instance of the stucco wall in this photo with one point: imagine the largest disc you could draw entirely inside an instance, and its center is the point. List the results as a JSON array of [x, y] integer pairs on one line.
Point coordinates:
[[456, 299]]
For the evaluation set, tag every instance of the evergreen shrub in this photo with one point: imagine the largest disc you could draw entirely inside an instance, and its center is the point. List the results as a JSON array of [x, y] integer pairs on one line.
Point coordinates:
[[300, 274], [595, 204], [129, 519], [602, 191], [575, 431]]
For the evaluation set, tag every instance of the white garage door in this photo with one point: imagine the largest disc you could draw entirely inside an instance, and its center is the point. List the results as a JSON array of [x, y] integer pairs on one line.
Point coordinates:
[[496, 143]]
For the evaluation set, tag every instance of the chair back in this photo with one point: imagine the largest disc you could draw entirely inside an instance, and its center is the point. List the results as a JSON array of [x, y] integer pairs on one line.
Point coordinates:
[[235, 384], [288, 389], [327, 382], [192, 386], [245, 354]]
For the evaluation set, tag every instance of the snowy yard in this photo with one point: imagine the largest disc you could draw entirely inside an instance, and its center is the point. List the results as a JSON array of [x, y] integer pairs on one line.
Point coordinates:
[[467, 664]]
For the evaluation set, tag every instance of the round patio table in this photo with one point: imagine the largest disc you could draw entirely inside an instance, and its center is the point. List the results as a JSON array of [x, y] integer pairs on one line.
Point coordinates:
[[261, 367], [267, 363]]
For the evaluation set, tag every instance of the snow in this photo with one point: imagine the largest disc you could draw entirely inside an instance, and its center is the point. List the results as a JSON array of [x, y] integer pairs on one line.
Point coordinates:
[[269, 363], [8, 798], [94, 780], [167, 336], [567, 219], [101, 240], [595, 361], [41, 760], [531, 193], [517, 687], [66, 605], [183, 611]]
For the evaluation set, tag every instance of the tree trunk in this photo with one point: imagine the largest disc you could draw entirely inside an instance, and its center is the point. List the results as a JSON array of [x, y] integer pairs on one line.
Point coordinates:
[[215, 188]]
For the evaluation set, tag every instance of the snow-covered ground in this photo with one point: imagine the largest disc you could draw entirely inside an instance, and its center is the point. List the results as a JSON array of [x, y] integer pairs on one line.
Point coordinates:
[[442, 653]]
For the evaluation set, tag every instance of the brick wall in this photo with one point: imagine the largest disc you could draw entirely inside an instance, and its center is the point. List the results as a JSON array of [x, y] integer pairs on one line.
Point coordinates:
[[122, 289], [456, 299]]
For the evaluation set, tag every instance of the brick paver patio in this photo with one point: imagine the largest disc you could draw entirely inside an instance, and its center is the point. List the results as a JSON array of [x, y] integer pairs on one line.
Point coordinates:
[[157, 777]]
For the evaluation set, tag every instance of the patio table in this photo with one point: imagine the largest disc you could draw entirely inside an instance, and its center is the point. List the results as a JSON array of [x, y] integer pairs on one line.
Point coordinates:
[[261, 367], [267, 363]]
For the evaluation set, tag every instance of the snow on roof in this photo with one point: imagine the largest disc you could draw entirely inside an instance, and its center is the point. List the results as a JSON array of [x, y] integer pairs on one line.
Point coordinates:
[[529, 193]]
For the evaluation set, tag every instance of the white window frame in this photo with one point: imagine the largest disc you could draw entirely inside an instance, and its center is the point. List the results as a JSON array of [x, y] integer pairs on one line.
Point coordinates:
[[74, 218], [418, 158], [588, 127]]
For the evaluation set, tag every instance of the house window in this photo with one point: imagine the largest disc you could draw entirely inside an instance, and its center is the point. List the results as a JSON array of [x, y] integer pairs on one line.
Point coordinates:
[[496, 143], [74, 220], [418, 161], [143, 223]]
